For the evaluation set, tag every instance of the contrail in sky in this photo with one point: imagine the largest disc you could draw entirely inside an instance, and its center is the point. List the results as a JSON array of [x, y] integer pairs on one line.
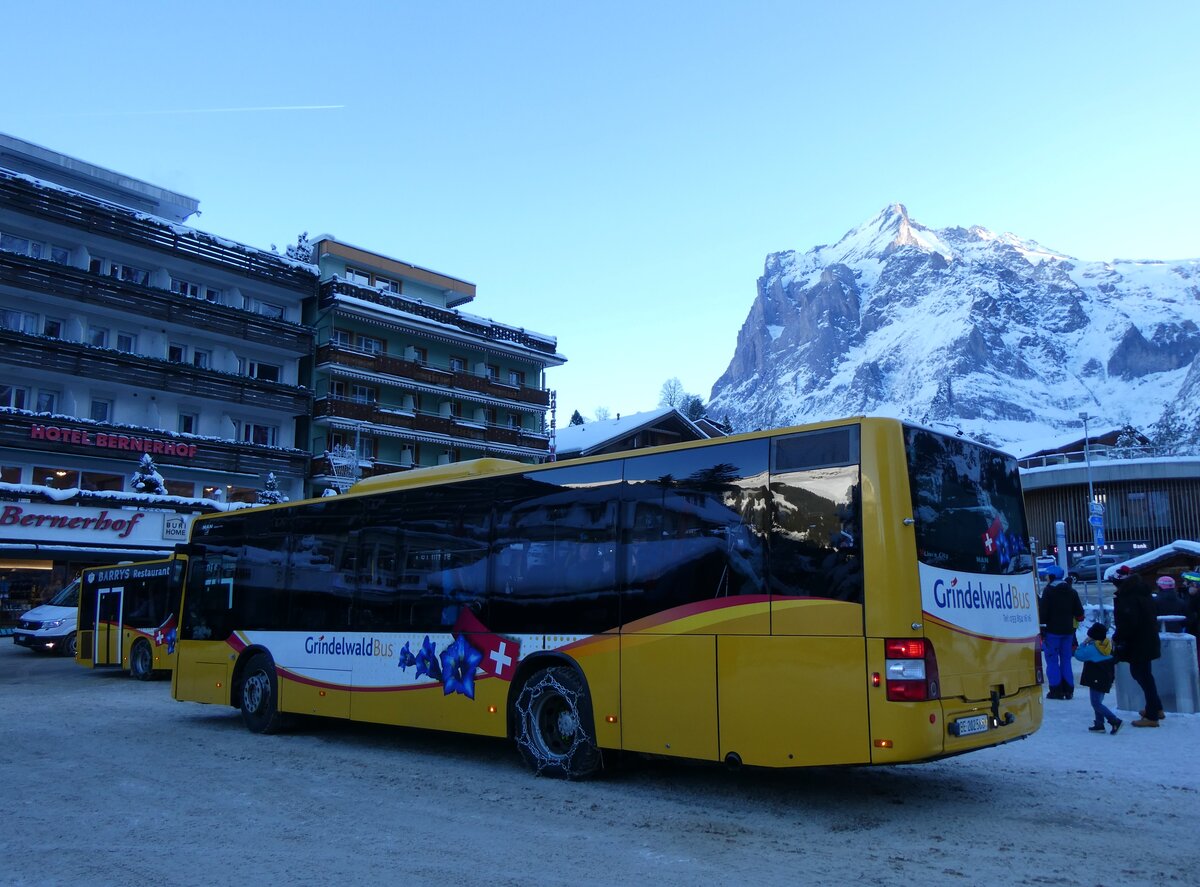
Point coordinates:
[[206, 111]]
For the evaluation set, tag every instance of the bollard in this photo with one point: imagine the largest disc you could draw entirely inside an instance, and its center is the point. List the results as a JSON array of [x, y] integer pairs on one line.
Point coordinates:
[[1175, 675]]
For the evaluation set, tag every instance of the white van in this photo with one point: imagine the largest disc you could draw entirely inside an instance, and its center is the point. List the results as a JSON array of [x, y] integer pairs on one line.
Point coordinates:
[[51, 626]]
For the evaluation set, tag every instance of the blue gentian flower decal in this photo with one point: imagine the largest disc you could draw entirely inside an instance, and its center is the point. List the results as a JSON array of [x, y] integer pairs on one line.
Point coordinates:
[[459, 662], [427, 660], [406, 657]]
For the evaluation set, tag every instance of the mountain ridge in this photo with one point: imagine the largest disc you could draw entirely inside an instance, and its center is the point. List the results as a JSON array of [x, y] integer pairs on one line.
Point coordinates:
[[993, 333]]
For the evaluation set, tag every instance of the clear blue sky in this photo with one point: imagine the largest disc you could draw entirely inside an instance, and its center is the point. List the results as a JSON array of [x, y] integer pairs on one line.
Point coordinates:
[[615, 173]]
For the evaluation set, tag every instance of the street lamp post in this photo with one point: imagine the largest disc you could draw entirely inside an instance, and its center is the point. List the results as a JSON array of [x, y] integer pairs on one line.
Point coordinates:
[[1093, 513]]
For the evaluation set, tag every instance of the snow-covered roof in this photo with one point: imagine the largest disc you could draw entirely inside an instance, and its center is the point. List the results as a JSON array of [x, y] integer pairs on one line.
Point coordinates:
[[581, 440], [1150, 558]]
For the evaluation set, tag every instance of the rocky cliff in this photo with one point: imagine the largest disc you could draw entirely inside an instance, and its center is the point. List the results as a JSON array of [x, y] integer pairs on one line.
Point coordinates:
[[996, 335]]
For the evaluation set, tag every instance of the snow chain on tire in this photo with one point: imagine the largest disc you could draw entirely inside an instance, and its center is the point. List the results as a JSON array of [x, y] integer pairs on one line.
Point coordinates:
[[553, 733]]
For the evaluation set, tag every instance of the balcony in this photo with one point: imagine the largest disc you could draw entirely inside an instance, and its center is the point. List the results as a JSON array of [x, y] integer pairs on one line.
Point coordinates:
[[398, 367], [50, 279], [97, 217], [27, 352], [468, 324], [235, 457], [446, 426]]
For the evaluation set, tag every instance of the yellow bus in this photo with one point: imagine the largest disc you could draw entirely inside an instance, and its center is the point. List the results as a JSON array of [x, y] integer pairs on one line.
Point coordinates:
[[128, 616], [851, 592]]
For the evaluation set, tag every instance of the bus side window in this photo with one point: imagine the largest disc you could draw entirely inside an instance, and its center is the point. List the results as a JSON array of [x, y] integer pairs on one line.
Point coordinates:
[[816, 533]]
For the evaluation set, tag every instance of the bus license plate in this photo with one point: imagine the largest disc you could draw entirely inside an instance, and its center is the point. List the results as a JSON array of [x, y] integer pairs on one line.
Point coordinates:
[[976, 724]]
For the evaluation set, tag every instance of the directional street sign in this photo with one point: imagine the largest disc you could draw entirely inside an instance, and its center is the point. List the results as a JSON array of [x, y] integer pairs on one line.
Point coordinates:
[[1096, 508], [1099, 536], [1096, 520]]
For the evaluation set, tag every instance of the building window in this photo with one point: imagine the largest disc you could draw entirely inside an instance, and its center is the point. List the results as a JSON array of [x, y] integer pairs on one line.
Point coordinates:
[[176, 352], [180, 488], [342, 338], [96, 481], [365, 444], [19, 321], [195, 290], [58, 478], [265, 435], [371, 345], [362, 278], [490, 415], [13, 397], [47, 401], [458, 364], [127, 342], [267, 372], [493, 372], [98, 336], [421, 355], [35, 249], [52, 328], [514, 421], [268, 309], [516, 377], [187, 423], [387, 284], [129, 273], [201, 359], [10, 474], [364, 394], [456, 409], [185, 288], [101, 410]]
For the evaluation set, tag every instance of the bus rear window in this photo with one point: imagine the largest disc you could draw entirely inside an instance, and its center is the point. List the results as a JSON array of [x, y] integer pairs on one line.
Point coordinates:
[[967, 505]]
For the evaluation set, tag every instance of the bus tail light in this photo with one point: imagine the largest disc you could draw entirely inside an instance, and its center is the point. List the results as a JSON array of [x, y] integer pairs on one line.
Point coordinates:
[[1038, 674], [911, 670]]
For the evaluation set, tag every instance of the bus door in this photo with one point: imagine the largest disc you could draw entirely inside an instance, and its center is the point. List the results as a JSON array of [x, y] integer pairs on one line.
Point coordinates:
[[109, 637]]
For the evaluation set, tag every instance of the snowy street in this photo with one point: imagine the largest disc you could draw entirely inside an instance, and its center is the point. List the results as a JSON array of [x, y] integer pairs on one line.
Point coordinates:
[[109, 781]]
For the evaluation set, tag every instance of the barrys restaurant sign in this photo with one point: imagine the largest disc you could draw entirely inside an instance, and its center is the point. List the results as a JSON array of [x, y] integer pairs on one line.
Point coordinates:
[[108, 441], [65, 524]]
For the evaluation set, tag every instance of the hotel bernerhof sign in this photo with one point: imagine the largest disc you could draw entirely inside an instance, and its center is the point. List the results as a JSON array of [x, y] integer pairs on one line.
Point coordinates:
[[70, 525]]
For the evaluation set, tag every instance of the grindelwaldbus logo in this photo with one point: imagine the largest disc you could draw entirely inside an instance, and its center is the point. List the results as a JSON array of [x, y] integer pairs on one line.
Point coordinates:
[[334, 646], [978, 596], [994, 606]]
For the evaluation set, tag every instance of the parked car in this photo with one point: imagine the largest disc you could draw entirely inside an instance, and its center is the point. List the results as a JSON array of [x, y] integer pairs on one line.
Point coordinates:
[[51, 627], [1085, 567]]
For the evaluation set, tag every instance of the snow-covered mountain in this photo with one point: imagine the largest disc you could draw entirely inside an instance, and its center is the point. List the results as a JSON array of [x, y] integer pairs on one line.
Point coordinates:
[[997, 335]]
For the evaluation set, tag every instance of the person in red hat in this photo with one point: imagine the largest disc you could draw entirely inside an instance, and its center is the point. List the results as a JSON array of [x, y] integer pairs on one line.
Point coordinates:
[[1136, 639]]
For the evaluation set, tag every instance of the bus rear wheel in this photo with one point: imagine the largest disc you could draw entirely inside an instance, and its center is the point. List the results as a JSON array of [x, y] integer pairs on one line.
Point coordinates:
[[260, 696], [141, 661], [553, 732]]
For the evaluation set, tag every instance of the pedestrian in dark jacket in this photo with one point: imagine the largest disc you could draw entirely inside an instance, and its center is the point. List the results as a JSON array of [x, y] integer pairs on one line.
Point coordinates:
[[1191, 608], [1099, 669], [1136, 639], [1059, 611]]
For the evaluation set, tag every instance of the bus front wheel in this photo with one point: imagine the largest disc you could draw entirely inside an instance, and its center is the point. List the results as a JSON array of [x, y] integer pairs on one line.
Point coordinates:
[[553, 732], [260, 695], [141, 661]]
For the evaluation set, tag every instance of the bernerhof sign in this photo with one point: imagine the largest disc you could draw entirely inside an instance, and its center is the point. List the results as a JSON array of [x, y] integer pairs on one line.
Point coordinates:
[[67, 525]]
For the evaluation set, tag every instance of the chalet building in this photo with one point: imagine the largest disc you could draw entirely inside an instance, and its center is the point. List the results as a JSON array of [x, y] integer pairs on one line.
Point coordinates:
[[653, 428], [403, 378], [124, 332]]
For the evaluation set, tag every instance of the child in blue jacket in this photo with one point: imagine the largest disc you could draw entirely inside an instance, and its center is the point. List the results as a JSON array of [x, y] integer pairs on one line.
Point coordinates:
[[1099, 670]]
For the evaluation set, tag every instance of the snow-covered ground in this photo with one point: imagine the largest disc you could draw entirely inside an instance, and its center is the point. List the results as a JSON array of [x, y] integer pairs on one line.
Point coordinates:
[[109, 781]]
